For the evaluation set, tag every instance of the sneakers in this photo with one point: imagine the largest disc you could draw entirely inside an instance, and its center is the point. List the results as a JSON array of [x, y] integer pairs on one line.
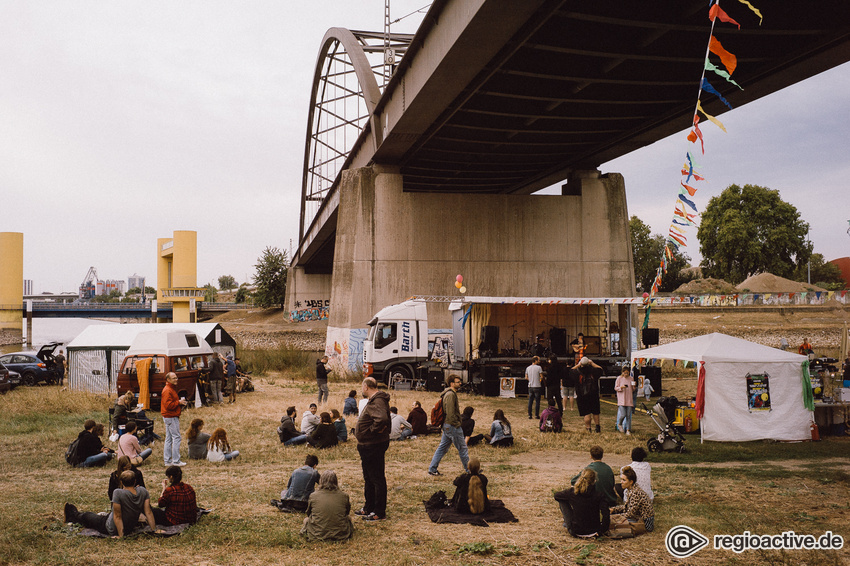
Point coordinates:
[[598, 428], [412, 437], [434, 473], [362, 513], [372, 517], [181, 463], [628, 433]]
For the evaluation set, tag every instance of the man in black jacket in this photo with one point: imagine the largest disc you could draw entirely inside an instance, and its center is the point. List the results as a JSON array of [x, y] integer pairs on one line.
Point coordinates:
[[91, 451], [216, 376], [373, 439], [287, 432], [322, 378]]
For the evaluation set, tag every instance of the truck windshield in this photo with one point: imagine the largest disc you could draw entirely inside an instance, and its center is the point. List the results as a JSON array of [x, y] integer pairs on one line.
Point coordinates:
[[385, 335]]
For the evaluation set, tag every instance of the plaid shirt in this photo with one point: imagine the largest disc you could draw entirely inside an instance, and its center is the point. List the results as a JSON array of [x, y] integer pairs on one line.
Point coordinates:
[[179, 503]]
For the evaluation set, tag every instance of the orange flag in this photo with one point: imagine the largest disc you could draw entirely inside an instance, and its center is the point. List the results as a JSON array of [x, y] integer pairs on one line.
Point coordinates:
[[729, 60], [717, 12]]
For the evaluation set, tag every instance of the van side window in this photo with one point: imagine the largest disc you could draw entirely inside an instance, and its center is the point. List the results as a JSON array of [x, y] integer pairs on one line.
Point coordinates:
[[192, 340], [385, 335]]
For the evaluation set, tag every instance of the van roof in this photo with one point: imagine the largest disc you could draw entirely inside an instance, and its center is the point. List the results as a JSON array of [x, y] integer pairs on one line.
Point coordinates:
[[169, 343]]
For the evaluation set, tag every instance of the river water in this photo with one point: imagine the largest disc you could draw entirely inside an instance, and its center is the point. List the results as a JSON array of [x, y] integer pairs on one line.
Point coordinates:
[[45, 330]]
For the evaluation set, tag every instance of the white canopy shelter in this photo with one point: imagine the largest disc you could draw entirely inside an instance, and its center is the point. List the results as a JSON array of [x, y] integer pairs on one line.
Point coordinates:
[[747, 391]]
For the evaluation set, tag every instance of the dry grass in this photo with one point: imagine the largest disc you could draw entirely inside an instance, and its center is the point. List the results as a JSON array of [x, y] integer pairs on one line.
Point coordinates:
[[802, 487]]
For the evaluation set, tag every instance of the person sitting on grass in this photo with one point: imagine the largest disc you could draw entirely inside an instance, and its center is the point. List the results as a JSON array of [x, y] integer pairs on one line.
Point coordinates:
[[177, 503], [582, 506], [128, 503], [90, 451], [550, 418], [339, 425], [349, 409], [471, 490], [400, 429], [636, 516], [301, 484], [115, 477], [643, 471], [197, 440], [324, 436], [328, 511], [287, 432], [218, 448], [418, 419], [467, 425], [309, 420], [128, 445], [604, 476], [500, 431]]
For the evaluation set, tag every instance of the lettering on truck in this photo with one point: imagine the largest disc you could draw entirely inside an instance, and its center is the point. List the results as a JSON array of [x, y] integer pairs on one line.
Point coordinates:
[[405, 337]]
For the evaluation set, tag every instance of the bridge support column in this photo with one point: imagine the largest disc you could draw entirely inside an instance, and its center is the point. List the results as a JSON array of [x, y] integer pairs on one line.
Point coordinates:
[[11, 280], [391, 244]]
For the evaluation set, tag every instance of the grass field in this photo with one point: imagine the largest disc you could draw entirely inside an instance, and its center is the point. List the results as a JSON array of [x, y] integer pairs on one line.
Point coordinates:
[[766, 488]]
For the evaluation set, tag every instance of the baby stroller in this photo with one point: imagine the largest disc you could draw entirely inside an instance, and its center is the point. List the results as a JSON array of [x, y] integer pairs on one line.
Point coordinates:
[[669, 439]]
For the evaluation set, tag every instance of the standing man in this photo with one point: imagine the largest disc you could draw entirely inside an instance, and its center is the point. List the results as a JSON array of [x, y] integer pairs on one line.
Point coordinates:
[[554, 376], [373, 439], [60, 366], [322, 378], [171, 407], [452, 431], [231, 379], [533, 374], [216, 375], [587, 392]]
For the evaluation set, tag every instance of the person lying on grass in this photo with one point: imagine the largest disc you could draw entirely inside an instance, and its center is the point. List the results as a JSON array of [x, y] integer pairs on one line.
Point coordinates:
[[127, 504]]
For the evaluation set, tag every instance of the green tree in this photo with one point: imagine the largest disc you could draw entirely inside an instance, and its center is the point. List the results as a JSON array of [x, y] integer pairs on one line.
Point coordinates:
[[270, 278], [149, 290], [824, 274], [647, 250], [210, 293], [748, 230], [226, 282], [242, 294], [133, 291]]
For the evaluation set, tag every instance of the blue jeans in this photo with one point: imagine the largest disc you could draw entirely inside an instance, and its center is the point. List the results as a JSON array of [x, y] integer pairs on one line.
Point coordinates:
[[95, 460], [145, 453], [534, 393], [323, 392], [451, 435], [405, 434], [231, 455], [624, 417], [300, 439], [171, 450]]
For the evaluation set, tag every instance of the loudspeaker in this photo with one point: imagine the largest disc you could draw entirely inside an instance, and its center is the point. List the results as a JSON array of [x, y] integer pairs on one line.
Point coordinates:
[[491, 381], [489, 339], [558, 341], [654, 375], [435, 381], [649, 337]]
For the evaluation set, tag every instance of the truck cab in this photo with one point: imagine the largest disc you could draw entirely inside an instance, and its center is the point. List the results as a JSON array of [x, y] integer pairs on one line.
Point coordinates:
[[397, 342]]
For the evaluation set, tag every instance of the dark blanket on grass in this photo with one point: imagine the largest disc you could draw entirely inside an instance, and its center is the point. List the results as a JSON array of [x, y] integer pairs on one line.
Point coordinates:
[[144, 528], [440, 511]]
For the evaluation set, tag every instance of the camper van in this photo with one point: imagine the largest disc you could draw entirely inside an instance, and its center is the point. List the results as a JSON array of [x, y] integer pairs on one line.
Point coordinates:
[[181, 351]]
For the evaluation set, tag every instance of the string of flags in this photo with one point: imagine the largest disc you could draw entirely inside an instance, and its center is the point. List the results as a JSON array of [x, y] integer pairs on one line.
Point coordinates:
[[685, 210]]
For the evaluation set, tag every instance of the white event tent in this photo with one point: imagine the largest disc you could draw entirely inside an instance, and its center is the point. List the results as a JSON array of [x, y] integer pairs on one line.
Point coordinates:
[[730, 410]]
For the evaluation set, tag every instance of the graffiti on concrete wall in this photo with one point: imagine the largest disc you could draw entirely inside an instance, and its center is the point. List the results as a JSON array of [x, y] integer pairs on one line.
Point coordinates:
[[312, 309]]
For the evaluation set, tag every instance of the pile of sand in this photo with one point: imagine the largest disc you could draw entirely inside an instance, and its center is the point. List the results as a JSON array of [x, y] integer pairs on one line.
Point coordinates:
[[769, 283], [705, 286]]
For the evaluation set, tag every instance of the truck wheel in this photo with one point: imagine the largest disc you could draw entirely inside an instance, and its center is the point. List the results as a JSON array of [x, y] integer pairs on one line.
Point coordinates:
[[396, 373], [28, 378]]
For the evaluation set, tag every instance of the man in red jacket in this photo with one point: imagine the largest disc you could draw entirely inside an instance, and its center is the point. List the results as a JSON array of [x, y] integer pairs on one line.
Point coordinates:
[[171, 407]]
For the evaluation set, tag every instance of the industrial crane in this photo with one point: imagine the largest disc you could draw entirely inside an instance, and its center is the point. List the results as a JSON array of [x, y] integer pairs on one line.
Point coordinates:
[[88, 288]]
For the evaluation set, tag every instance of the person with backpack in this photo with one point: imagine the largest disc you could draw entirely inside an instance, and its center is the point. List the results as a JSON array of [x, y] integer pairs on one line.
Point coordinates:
[[500, 431], [587, 392], [452, 431], [89, 451], [550, 419]]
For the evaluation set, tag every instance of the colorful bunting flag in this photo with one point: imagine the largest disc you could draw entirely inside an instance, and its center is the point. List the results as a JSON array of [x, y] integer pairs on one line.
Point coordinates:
[[706, 86], [717, 12], [751, 7], [729, 60]]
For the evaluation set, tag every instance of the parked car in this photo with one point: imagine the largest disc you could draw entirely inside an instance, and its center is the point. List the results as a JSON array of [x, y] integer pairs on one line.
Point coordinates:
[[4, 379], [34, 367]]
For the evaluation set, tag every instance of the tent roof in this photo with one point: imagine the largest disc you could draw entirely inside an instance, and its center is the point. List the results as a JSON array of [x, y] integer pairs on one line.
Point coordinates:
[[122, 335], [717, 347]]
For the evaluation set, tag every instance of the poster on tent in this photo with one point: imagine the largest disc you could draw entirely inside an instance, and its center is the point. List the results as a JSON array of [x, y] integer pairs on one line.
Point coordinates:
[[758, 392]]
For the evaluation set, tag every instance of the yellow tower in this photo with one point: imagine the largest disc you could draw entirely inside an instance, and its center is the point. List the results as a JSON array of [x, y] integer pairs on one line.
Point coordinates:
[[177, 273], [11, 279]]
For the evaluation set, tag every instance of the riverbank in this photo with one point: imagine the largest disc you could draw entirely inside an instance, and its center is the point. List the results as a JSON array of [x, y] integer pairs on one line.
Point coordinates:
[[10, 337]]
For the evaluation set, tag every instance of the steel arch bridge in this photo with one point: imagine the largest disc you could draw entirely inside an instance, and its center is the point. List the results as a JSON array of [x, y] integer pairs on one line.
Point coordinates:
[[352, 69]]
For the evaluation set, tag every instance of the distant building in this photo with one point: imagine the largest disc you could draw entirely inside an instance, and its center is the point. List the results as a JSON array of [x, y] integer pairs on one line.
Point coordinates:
[[27, 286], [135, 280], [112, 285]]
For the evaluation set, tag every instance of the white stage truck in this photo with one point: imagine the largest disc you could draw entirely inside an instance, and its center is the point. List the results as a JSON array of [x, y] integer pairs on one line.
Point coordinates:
[[492, 338]]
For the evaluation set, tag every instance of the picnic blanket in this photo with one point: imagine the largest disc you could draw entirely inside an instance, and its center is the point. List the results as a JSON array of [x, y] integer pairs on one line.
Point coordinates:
[[440, 511], [144, 528]]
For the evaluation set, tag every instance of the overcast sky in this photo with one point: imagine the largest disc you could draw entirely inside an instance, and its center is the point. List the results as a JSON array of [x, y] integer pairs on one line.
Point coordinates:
[[121, 122]]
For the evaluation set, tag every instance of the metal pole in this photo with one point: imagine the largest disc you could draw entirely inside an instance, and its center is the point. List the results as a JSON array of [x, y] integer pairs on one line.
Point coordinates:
[[29, 323]]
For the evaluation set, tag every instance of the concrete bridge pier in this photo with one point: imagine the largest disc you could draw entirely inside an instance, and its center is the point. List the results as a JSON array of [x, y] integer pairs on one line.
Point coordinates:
[[392, 244], [11, 280]]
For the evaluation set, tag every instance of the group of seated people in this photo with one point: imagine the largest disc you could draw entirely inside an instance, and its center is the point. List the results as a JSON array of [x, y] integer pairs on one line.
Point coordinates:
[[590, 507], [319, 431], [203, 446], [500, 429], [131, 504]]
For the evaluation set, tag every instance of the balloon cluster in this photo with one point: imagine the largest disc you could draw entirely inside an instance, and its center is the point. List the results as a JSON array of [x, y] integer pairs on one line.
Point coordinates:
[[459, 284]]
